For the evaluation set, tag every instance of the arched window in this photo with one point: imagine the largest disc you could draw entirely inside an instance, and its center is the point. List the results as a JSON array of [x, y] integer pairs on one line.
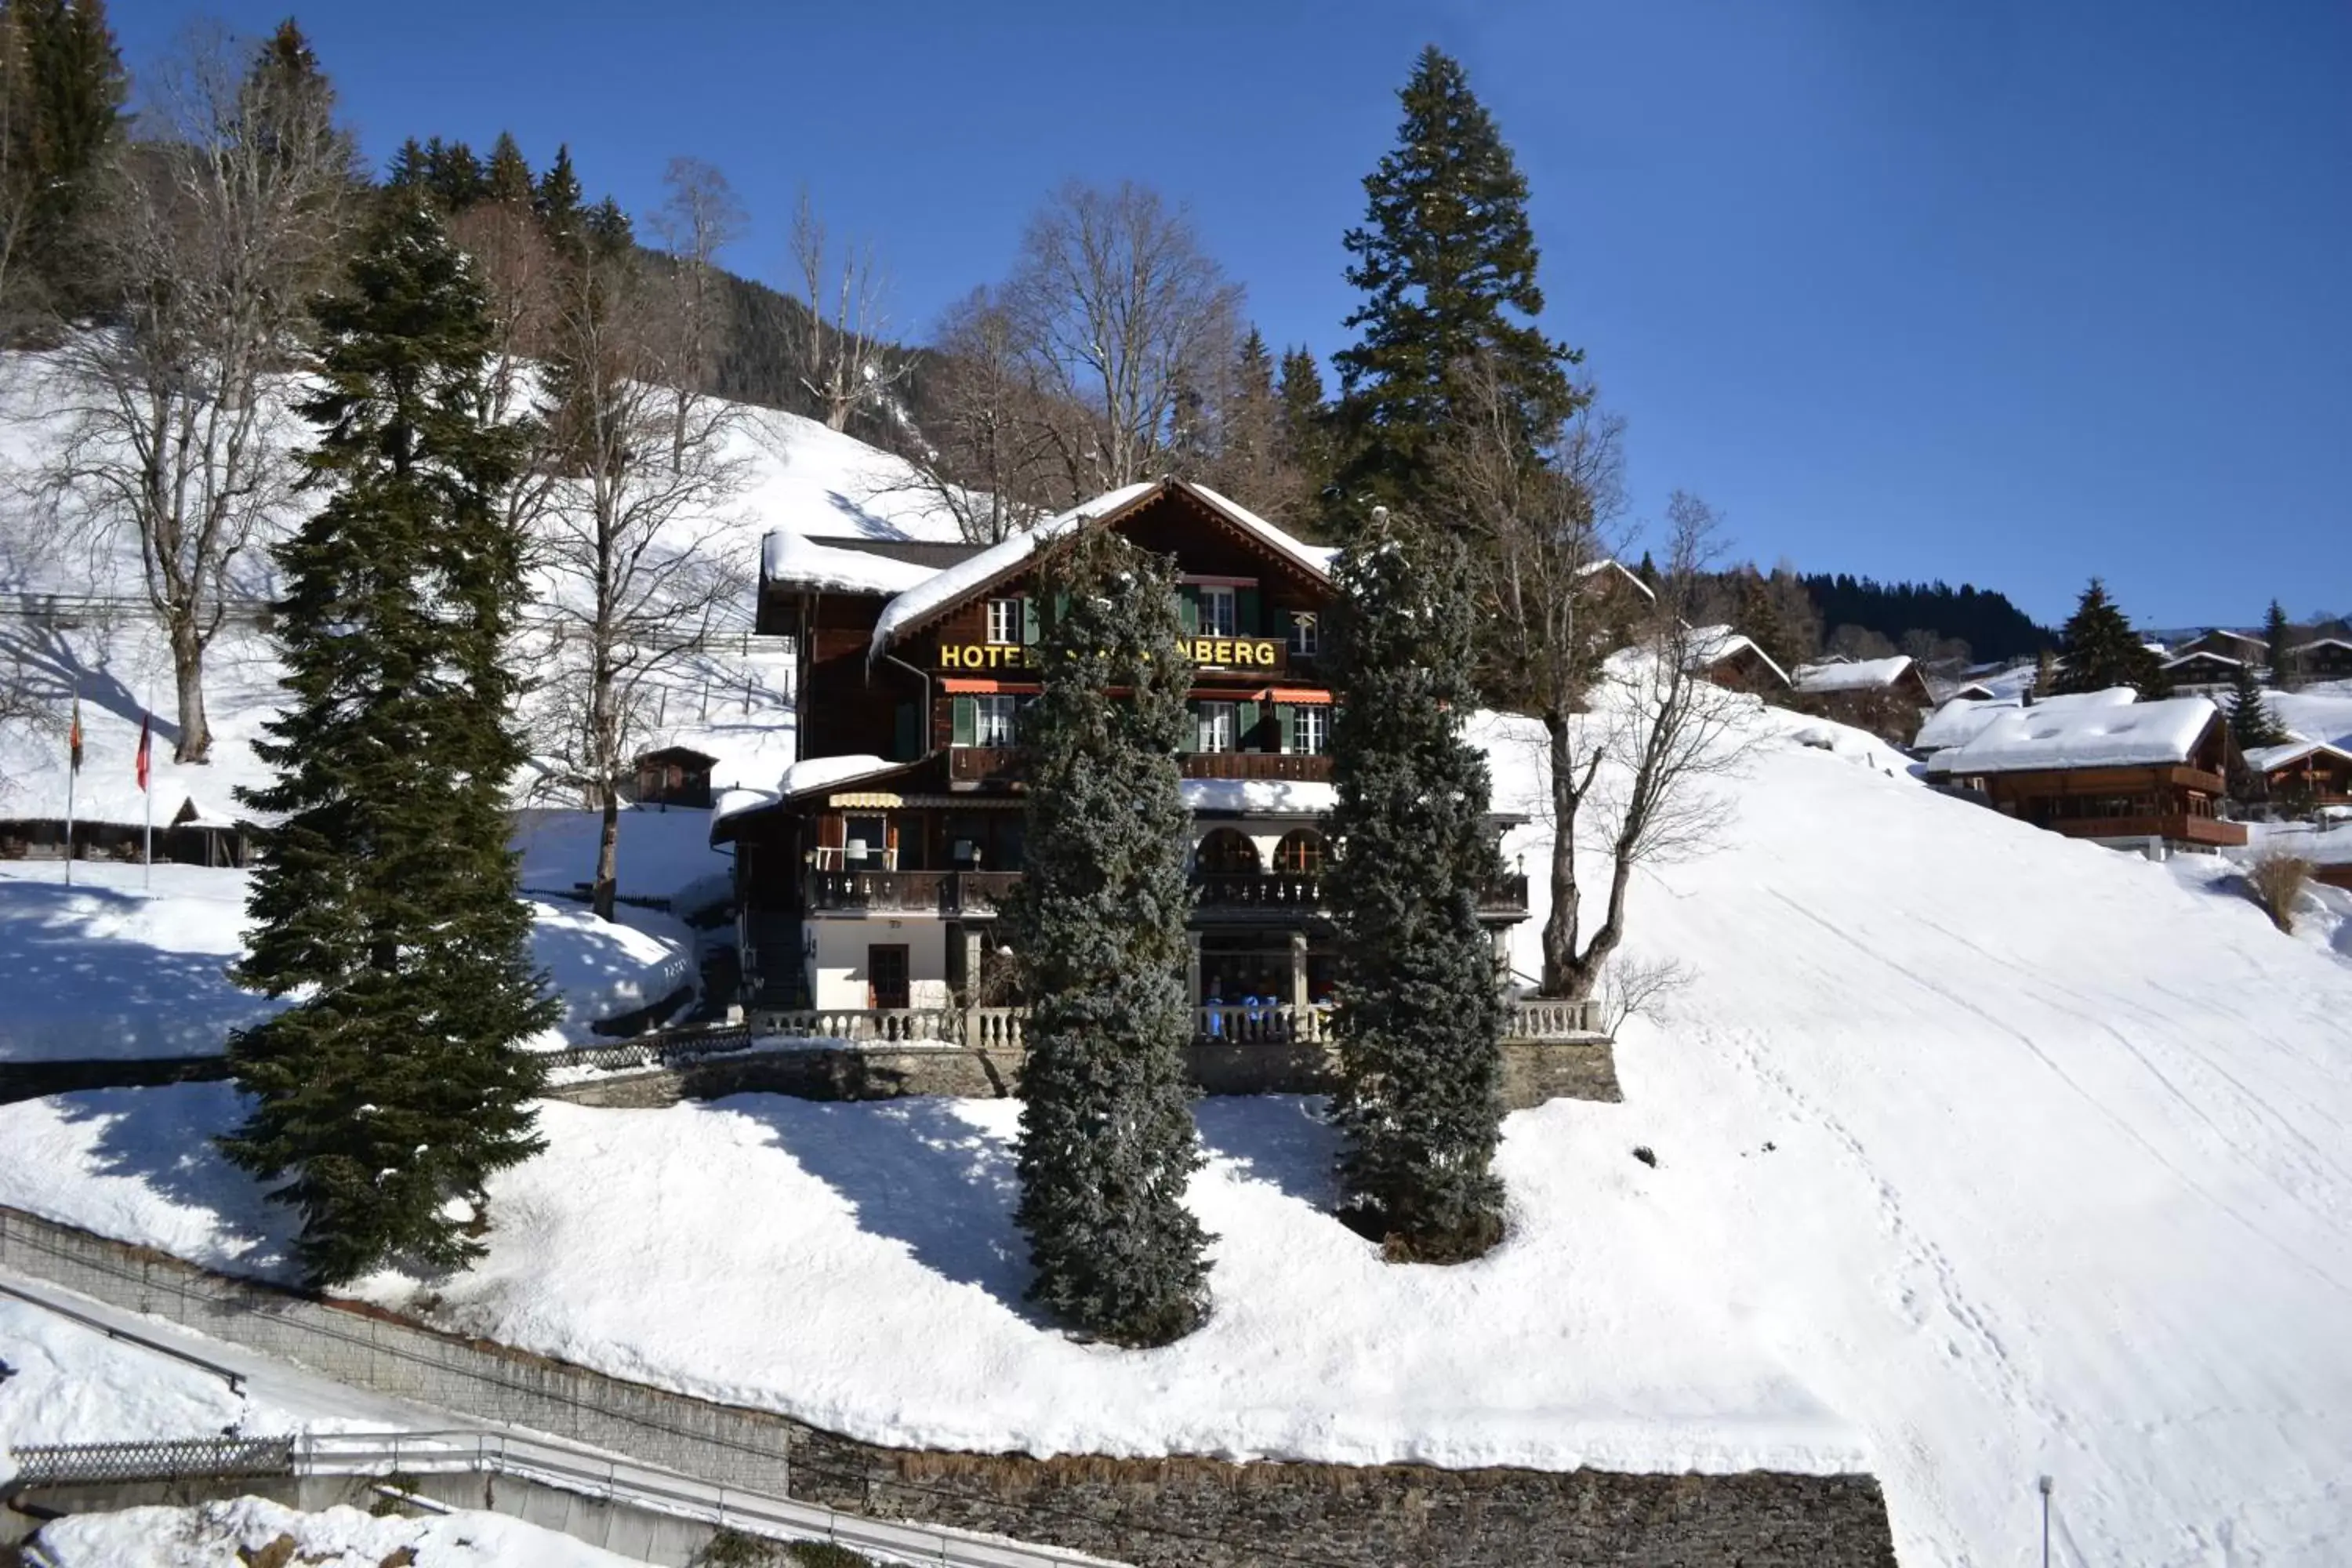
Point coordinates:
[[1301, 852], [1223, 852]]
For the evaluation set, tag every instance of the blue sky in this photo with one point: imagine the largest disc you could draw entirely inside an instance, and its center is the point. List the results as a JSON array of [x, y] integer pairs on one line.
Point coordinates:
[[2004, 292]]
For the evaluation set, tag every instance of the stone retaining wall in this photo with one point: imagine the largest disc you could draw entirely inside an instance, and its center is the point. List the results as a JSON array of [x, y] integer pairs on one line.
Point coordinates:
[[1533, 1071], [1156, 1513]]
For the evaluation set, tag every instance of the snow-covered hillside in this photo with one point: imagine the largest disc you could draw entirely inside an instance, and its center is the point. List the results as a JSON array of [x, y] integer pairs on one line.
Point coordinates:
[[246, 1529], [1981, 1154]]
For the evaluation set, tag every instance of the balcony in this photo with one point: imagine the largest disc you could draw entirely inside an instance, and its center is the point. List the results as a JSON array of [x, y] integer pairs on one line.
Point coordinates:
[[1293, 767], [2178, 826], [972, 895], [971, 766]]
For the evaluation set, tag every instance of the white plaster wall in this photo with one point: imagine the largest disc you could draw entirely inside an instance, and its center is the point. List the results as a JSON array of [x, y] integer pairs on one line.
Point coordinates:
[[837, 960]]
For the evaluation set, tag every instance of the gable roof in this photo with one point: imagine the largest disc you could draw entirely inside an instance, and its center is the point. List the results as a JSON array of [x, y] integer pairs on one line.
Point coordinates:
[[2051, 736], [943, 591], [2205, 656], [1710, 645], [1853, 675], [2270, 759]]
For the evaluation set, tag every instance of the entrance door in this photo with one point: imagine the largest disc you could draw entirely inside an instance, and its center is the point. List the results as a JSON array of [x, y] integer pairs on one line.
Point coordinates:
[[886, 974]]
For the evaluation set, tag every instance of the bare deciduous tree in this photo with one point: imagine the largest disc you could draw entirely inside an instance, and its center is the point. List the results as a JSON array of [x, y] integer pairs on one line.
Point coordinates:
[[217, 225], [645, 470], [700, 218], [1123, 316], [1608, 668], [847, 360], [987, 452]]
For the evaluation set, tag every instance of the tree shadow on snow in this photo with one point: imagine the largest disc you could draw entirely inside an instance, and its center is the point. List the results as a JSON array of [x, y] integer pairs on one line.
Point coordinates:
[[84, 995], [1280, 1140], [917, 1172], [161, 1138]]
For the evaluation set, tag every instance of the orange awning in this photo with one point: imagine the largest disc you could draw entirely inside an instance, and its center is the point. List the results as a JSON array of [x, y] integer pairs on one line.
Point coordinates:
[[1296, 696], [964, 685]]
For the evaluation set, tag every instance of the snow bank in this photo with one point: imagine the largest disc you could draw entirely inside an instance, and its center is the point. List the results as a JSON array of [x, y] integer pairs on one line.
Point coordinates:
[[1304, 797], [2058, 735], [224, 1535]]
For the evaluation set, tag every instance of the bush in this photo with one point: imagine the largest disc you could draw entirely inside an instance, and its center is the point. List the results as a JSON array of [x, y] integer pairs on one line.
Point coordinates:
[[2277, 883]]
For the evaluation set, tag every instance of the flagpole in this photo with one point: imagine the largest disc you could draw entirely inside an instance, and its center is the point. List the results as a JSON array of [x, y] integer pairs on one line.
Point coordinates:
[[73, 772]]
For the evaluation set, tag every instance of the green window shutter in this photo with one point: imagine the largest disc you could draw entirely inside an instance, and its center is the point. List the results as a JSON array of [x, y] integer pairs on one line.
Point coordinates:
[[1061, 606], [1029, 622], [1188, 606], [1246, 727], [1286, 717], [909, 742], [966, 721], [1245, 612]]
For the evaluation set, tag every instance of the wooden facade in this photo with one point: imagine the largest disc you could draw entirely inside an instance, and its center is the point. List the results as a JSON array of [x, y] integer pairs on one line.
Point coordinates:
[[879, 890], [2322, 659], [675, 775], [2174, 804]]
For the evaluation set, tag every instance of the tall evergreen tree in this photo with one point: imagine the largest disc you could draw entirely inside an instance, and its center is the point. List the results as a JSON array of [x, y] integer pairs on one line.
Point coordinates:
[[558, 200], [2250, 723], [1106, 1136], [1447, 261], [1305, 434], [1420, 1014], [2098, 649], [62, 88], [508, 178], [386, 902], [2279, 637]]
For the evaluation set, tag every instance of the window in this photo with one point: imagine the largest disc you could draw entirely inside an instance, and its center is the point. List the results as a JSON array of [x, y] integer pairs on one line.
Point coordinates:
[[1004, 620], [1218, 617], [1224, 852], [1216, 727], [1306, 634], [995, 722], [1300, 853], [887, 976], [1311, 730]]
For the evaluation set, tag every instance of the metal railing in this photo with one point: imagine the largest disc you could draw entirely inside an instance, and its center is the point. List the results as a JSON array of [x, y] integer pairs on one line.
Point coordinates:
[[457, 1452]]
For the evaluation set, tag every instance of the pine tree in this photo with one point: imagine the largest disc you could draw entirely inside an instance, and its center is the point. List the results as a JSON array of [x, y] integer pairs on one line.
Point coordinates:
[[2099, 650], [1106, 1136], [1420, 1014], [386, 903], [454, 175], [507, 180], [1760, 619], [557, 200], [62, 88], [1305, 420], [2251, 724], [1447, 264], [2280, 636]]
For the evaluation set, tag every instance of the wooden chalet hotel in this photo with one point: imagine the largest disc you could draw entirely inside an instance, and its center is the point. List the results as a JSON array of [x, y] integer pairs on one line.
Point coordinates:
[[874, 881]]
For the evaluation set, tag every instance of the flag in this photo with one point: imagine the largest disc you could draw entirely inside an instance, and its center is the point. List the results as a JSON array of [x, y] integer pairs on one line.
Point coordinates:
[[73, 737], [144, 719]]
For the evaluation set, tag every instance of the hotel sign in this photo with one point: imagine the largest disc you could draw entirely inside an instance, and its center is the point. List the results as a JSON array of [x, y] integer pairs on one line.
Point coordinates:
[[1208, 652]]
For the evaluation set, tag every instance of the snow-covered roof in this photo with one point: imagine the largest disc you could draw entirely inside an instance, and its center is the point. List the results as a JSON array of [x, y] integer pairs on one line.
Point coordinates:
[[2204, 655], [787, 557], [2320, 642], [1853, 675], [2287, 753], [1630, 575], [936, 592], [2106, 696], [1713, 645], [1960, 720], [2056, 735], [813, 773]]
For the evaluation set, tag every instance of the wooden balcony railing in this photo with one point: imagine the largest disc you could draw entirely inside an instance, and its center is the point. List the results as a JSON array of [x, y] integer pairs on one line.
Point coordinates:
[[966, 893], [1296, 767], [984, 764], [2176, 825]]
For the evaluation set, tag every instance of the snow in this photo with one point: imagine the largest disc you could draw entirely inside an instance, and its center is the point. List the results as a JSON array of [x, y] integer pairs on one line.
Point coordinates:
[[2058, 735], [1959, 721], [942, 589], [1712, 644], [108, 968], [1983, 1154], [1299, 796], [825, 773], [232, 1532], [2263, 759], [662, 849], [790, 558], [1851, 675]]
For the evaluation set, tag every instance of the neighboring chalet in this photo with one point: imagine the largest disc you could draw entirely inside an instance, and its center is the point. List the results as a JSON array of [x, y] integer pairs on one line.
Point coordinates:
[[2203, 670], [2322, 659], [875, 881], [675, 775], [2238, 648], [1888, 697], [1733, 661], [2302, 774], [2106, 767]]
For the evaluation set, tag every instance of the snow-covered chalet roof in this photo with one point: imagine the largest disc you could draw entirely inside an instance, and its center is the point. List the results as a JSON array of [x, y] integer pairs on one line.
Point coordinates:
[[937, 591], [2295, 749], [1960, 720], [1711, 646], [1852, 675], [787, 557], [2056, 734], [2204, 655]]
